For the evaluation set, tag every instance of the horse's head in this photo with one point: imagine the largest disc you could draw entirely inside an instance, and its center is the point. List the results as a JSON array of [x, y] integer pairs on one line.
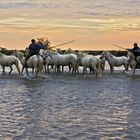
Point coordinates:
[[14, 53], [18, 54], [45, 54], [27, 52], [130, 55], [106, 55], [103, 55], [80, 55], [48, 53], [58, 50]]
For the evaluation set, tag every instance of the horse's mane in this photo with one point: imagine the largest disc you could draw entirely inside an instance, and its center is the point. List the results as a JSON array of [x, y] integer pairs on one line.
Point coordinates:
[[111, 55], [82, 54], [19, 54]]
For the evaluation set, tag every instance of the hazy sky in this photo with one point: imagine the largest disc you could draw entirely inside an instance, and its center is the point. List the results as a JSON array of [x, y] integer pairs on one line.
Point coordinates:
[[93, 24]]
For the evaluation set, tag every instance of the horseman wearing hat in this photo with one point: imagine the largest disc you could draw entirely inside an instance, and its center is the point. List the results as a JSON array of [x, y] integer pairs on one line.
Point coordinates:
[[34, 49]]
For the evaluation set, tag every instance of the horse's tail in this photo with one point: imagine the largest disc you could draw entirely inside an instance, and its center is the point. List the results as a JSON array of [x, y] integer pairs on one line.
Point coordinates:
[[17, 63], [102, 64], [39, 64], [99, 68]]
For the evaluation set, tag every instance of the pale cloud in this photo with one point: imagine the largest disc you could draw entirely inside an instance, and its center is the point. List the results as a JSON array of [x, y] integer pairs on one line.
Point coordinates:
[[60, 20]]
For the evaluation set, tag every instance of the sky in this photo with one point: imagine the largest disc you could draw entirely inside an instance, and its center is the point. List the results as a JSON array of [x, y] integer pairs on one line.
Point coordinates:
[[93, 24]]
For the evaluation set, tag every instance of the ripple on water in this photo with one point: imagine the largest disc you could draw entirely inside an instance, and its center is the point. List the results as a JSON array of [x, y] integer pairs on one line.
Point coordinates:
[[67, 107]]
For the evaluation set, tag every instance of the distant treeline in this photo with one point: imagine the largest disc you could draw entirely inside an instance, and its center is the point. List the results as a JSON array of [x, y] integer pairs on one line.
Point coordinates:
[[116, 53], [8, 52]]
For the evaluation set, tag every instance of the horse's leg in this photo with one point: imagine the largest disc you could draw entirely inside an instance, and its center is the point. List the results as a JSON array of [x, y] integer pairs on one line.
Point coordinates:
[[62, 69], [22, 69], [55, 68], [111, 68], [36, 73], [74, 68], [77, 68], [52, 67], [96, 72], [133, 70], [103, 66], [126, 68], [84, 70], [26, 71], [46, 68], [18, 69], [32, 71], [99, 69], [70, 68], [58, 69], [91, 70], [3, 70], [10, 70]]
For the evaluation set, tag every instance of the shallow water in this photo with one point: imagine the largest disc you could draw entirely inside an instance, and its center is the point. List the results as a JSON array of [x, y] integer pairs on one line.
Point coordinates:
[[70, 107]]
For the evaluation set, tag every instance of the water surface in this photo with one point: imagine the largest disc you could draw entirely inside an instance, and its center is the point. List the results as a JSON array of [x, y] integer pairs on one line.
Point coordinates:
[[70, 107]]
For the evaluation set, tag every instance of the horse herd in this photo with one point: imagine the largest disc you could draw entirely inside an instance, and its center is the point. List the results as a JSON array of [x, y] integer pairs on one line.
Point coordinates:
[[55, 61]]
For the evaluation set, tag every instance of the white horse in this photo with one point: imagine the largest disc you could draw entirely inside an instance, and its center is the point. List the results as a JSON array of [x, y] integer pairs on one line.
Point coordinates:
[[9, 61], [21, 56], [91, 62], [132, 62], [115, 61], [47, 61], [63, 60], [34, 62]]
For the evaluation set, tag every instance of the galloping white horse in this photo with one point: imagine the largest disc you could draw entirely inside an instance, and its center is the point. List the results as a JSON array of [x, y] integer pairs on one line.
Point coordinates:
[[132, 62], [63, 60], [9, 60], [34, 62], [115, 61], [91, 62]]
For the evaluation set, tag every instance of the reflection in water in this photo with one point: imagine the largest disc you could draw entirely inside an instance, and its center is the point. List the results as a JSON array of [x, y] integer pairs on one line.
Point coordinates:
[[13, 102], [66, 107]]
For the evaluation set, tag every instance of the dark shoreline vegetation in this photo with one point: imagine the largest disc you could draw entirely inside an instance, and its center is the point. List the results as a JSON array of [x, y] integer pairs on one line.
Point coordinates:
[[93, 52]]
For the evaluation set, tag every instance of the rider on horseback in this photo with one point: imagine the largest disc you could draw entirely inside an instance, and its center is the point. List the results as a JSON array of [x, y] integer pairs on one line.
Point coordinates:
[[34, 49], [136, 52]]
